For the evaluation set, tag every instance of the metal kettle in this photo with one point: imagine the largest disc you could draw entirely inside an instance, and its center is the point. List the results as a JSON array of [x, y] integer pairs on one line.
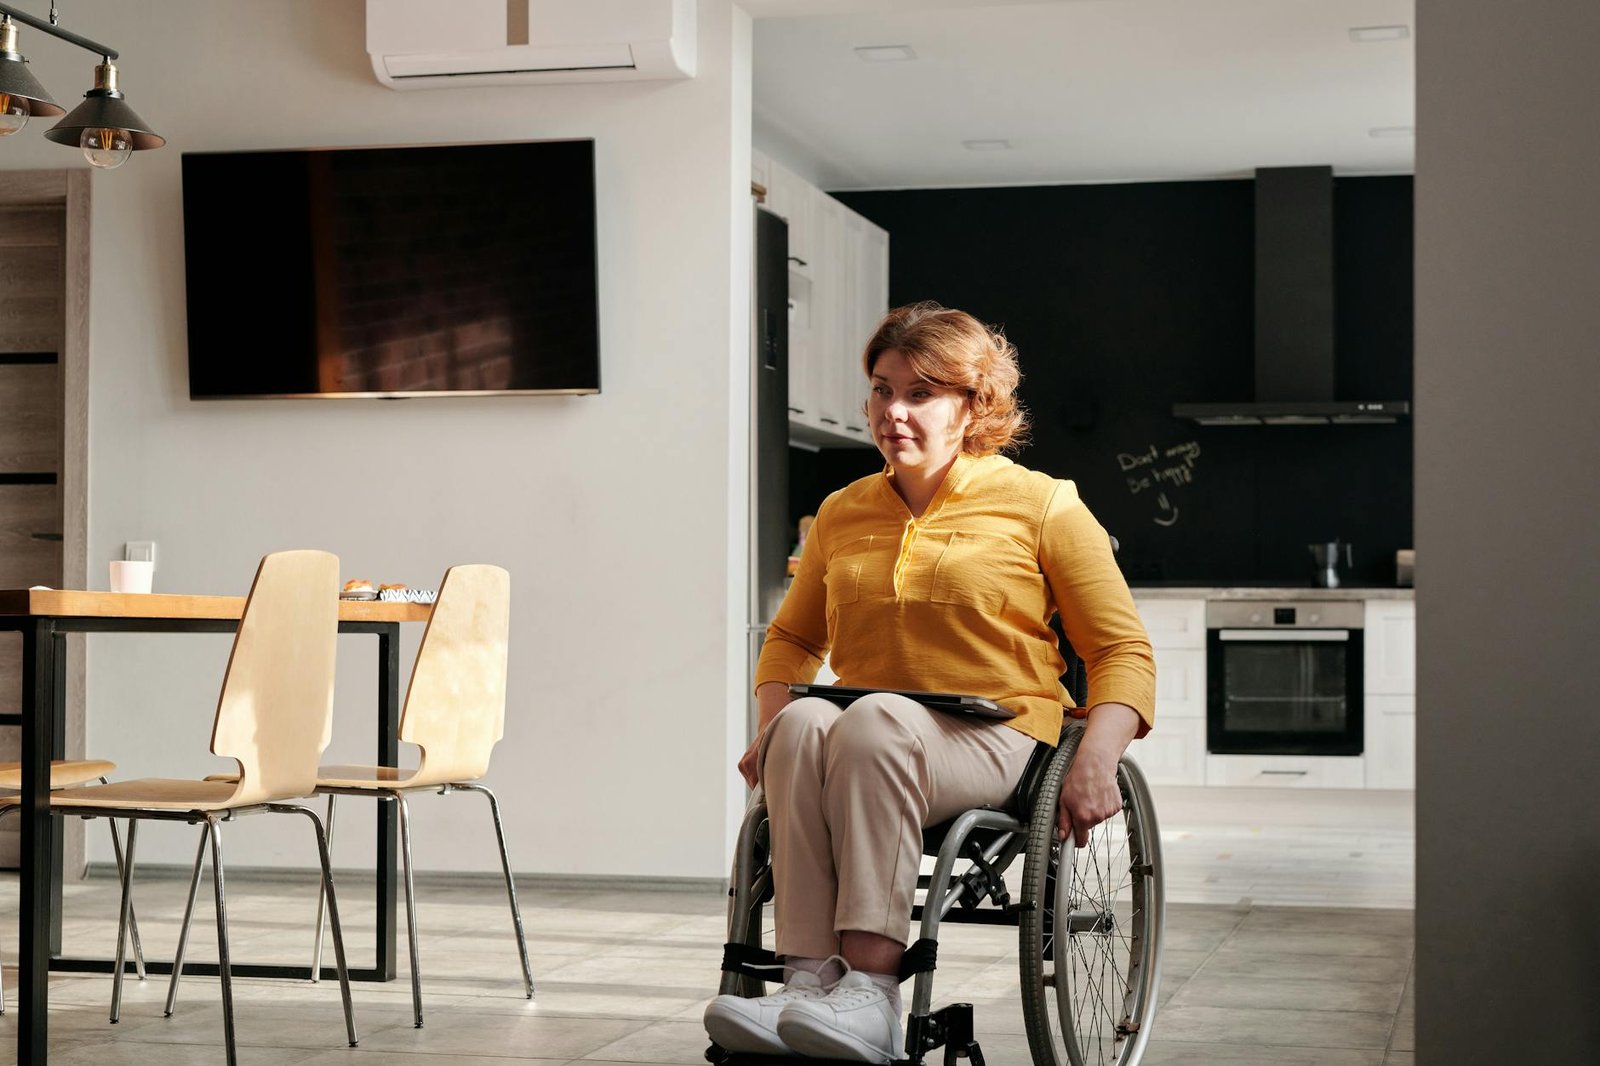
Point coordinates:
[[1328, 558]]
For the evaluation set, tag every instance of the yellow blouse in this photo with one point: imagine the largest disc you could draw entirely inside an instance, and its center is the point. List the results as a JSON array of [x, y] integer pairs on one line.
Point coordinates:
[[960, 599]]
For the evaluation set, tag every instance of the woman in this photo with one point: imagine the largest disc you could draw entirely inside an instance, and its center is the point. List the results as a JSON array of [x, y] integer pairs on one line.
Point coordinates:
[[940, 574]]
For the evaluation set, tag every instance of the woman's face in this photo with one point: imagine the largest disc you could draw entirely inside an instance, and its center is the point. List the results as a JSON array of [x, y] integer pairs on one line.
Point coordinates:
[[918, 426]]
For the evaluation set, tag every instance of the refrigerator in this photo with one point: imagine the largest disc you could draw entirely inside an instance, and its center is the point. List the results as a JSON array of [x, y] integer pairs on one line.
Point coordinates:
[[771, 533]]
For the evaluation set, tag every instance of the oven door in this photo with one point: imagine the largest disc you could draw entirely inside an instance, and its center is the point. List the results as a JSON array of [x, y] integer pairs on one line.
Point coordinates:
[[1284, 692]]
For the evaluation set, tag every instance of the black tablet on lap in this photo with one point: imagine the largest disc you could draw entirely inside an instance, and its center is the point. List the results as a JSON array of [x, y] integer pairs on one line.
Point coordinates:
[[937, 701]]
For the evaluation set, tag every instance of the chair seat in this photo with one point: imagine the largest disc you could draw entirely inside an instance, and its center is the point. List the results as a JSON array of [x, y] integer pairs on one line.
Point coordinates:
[[64, 773], [374, 777], [351, 776], [153, 793]]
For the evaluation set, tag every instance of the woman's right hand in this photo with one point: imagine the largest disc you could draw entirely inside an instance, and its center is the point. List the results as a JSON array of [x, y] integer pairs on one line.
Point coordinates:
[[748, 767], [771, 697]]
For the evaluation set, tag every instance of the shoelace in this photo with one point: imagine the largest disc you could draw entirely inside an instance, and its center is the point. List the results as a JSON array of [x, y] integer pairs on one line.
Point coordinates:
[[851, 997]]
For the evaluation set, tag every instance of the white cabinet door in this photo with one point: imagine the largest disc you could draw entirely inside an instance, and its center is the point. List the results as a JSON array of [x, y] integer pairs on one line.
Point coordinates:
[[792, 198], [1391, 647], [1391, 746], [1174, 623], [1174, 752], [833, 323], [1286, 771], [1180, 685], [802, 351]]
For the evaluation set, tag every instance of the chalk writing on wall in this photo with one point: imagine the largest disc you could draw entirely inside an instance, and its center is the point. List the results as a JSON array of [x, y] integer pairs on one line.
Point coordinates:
[[1159, 471]]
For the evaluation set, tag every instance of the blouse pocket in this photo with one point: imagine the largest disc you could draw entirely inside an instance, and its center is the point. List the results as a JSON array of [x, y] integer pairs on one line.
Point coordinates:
[[843, 575], [971, 572]]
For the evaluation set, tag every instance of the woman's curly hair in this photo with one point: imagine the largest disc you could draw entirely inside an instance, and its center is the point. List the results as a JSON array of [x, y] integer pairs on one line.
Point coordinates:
[[952, 349]]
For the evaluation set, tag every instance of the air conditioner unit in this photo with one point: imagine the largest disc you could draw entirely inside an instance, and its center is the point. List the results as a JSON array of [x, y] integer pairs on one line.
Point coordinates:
[[432, 44]]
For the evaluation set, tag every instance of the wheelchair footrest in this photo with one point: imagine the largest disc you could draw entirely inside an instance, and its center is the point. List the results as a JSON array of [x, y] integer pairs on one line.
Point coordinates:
[[949, 1027]]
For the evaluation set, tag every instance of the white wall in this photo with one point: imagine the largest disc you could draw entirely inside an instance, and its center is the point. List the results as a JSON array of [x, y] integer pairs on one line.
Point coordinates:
[[1508, 258], [620, 516]]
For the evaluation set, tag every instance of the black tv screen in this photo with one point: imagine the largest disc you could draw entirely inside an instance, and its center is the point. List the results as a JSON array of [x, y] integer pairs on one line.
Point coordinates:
[[410, 271]]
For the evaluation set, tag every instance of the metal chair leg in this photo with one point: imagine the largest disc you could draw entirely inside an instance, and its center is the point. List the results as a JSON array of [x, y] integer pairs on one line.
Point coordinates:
[[122, 922], [133, 919], [411, 908], [224, 967], [188, 916], [511, 886], [333, 912], [322, 902]]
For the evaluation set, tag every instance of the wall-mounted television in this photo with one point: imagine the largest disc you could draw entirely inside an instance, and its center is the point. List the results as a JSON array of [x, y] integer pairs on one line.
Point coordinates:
[[386, 272]]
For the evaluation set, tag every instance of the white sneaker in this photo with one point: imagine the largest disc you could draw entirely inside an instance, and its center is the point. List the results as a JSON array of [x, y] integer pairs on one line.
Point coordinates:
[[855, 1021], [751, 1025]]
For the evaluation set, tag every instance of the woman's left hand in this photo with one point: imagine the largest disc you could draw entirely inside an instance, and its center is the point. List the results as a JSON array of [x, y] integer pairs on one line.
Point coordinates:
[[1089, 795], [1089, 792]]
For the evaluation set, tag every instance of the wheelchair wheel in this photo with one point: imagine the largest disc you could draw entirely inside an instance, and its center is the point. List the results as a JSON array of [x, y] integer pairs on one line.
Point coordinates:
[[1091, 941]]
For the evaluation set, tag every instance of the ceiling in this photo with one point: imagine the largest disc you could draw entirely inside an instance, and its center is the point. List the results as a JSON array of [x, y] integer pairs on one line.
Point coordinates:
[[1083, 90]]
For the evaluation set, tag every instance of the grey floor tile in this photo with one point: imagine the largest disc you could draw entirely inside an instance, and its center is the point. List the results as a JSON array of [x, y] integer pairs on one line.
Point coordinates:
[[661, 1042], [1230, 962], [1289, 943], [1261, 1026], [1400, 1058], [1177, 1053], [1209, 990]]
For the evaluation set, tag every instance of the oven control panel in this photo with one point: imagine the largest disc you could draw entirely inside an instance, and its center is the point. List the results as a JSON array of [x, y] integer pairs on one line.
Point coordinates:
[[1258, 614]]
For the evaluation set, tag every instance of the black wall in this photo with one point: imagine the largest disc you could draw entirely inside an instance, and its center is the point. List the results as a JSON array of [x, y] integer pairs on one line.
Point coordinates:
[[1124, 299]]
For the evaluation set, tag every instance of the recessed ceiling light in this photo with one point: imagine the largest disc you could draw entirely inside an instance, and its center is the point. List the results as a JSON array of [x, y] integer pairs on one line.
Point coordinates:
[[1363, 34], [1387, 132], [987, 146], [886, 53]]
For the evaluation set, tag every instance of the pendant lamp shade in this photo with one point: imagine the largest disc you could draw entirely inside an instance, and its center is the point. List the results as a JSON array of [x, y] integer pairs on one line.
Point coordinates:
[[18, 81], [103, 109]]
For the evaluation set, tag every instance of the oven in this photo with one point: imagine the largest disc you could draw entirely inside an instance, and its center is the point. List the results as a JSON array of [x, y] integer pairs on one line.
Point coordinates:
[[1284, 678]]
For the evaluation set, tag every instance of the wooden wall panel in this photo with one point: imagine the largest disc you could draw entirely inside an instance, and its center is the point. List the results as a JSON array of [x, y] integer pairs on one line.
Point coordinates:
[[31, 325], [25, 559], [10, 685], [30, 227], [30, 418], [28, 274]]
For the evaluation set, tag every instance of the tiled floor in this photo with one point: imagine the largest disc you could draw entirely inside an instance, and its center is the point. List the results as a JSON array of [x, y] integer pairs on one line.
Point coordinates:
[[624, 975]]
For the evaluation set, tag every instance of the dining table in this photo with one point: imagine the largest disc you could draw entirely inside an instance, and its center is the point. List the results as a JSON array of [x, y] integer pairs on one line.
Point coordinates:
[[44, 618]]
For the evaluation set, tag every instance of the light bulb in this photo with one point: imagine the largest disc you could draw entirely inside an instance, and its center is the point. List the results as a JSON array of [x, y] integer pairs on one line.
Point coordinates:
[[14, 112], [105, 146]]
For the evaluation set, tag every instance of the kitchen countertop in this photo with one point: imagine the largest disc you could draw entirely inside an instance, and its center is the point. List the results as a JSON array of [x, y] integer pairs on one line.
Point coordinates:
[[1281, 592]]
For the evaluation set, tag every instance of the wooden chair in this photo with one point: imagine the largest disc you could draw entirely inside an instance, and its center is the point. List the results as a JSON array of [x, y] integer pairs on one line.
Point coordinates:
[[66, 773], [273, 718], [455, 712]]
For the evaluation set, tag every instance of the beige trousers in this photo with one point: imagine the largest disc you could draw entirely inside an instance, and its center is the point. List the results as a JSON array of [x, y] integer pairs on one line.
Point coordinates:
[[848, 793]]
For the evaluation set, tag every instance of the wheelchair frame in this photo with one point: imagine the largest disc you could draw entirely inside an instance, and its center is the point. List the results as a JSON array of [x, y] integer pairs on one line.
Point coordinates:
[[1073, 1033]]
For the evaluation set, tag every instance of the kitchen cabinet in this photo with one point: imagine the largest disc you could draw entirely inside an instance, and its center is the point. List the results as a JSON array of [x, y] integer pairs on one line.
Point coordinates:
[[1390, 694], [838, 291], [1174, 752]]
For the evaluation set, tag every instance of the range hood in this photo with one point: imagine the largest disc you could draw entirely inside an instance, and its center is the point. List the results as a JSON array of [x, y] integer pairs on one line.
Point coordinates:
[[1294, 313]]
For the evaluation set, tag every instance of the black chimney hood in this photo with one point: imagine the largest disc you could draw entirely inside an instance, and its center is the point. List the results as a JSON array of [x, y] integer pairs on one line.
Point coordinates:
[[1294, 313]]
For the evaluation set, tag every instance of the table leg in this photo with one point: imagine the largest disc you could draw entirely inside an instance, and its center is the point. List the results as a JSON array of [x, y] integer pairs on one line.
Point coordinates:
[[58, 750], [39, 855], [388, 755]]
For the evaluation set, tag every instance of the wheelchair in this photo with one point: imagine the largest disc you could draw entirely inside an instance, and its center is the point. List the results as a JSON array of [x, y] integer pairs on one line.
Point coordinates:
[[1089, 919]]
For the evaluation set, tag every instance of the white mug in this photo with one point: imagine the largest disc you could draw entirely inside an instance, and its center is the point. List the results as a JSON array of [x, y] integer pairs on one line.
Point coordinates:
[[131, 575]]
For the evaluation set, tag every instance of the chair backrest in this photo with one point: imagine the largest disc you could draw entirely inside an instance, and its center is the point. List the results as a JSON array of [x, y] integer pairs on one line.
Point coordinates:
[[277, 696], [456, 704]]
